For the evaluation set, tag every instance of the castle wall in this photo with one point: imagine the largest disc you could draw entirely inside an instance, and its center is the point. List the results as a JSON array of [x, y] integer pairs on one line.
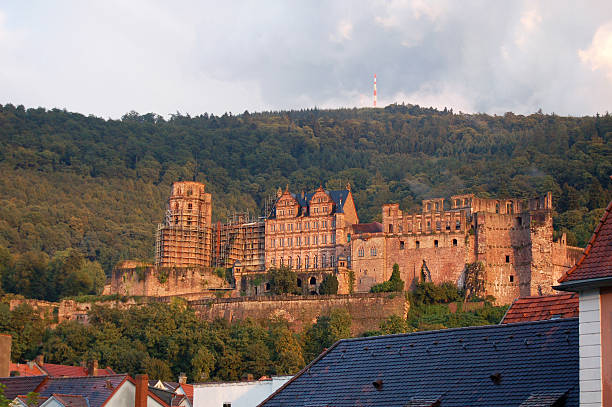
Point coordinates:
[[366, 310], [165, 281]]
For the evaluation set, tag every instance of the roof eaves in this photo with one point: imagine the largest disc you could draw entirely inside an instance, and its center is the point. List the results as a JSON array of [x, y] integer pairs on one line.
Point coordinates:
[[116, 389], [577, 285]]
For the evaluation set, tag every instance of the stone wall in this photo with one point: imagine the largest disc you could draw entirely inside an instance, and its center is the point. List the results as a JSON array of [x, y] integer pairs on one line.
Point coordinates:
[[165, 281], [366, 310]]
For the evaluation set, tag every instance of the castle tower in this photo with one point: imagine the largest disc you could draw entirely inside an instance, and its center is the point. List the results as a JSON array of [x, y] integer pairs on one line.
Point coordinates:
[[184, 238]]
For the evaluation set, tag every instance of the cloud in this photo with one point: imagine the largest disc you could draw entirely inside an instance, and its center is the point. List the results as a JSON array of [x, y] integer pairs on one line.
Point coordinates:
[[598, 56], [205, 56]]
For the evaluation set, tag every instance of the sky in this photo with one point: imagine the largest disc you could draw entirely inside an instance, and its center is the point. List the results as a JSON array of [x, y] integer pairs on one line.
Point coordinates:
[[110, 57]]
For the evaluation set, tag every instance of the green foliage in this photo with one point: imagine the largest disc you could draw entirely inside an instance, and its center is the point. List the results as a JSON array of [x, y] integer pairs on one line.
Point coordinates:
[[394, 324], [351, 275], [162, 274], [395, 283], [283, 281], [100, 186], [474, 279], [35, 275], [329, 285], [429, 309], [326, 331], [4, 402]]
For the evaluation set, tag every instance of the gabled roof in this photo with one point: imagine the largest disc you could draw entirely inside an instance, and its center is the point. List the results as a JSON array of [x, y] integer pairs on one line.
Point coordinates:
[[596, 262], [338, 196], [19, 386], [495, 365], [24, 400], [97, 389], [26, 369], [69, 400], [544, 307]]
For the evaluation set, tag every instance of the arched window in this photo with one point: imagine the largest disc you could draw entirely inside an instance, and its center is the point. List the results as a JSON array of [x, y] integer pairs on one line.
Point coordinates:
[[267, 286], [289, 262], [297, 262], [373, 251], [323, 264], [299, 282], [360, 252], [282, 262], [331, 261], [313, 281], [306, 262], [315, 261]]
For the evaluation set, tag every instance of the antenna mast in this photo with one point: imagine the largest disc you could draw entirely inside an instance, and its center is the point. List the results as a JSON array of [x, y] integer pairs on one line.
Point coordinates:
[[374, 90]]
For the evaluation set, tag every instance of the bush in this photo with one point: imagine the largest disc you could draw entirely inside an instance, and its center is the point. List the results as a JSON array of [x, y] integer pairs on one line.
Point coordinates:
[[395, 283], [329, 285], [283, 281]]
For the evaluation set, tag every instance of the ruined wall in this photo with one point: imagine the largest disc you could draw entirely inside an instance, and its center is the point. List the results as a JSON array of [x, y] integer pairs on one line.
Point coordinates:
[[366, 310], [165, 281], [503, 245]]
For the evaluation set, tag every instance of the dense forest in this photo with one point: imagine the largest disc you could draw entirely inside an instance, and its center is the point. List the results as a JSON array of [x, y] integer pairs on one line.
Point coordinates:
[[99, 186], [166, 339]]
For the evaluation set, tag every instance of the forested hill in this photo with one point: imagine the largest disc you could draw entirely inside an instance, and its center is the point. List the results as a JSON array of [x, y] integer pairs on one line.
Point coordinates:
[[100, 186]]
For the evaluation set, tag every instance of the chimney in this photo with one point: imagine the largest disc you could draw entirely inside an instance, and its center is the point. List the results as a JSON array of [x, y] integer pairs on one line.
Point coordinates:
[[142, 390], [5, 355], [40, 360], [182, 379], [92, 366]]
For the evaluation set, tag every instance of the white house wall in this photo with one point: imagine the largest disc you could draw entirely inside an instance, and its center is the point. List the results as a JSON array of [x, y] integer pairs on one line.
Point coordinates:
[[590, 349], [239, 394]]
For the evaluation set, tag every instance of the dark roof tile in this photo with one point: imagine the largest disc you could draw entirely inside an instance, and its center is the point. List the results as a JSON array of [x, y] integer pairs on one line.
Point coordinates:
[[497, 365], [20, 386]]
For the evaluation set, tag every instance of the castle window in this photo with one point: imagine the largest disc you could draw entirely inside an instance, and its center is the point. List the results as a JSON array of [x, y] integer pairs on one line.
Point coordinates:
[[390, 228], [331, 261], [465, 202], [417, 244], [457, 203], [438, 225], [298, 264], [360, 252], [519, 221], [373, 251], [457, 225], [273, 261], [436, 206], [315, 261], [435, 243], [306, 262], [176, 206], [307, 225], [189, 206], [313, 281], [512, 279], [299, 282], [428, 225], [289, 241], [299, 226], [324, 239], [273, 242], [401, 245], [454, 242], [291, 227], [323, 264], [507, 259], [282, 227], [316, 225], [298, 241], [282, 242], [307, 240], [267, 286], [176, 220], [509, 207], [333, 223], [348, 237], [315, 239], [282, 263], [189, 192], [289, 262], [333, 238], [273, 227], [428, 207], [316, 210], [497, 207], [447, 225]]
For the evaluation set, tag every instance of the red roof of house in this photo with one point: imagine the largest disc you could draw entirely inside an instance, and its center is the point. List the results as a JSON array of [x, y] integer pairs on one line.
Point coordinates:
[[373, 227], [26, 369], [188, 389], [596, 262], [542, 308], [72, 371]]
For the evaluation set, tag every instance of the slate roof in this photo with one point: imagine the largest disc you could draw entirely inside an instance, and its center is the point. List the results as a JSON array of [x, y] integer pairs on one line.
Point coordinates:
[[97, 389], [338, 196], [596, 262], [24, 400], [544, 307], [19, 386], [495, 365], [69, 400]]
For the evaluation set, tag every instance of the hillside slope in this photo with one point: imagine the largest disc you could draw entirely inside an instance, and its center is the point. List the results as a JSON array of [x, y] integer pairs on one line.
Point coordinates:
[[70, 180]]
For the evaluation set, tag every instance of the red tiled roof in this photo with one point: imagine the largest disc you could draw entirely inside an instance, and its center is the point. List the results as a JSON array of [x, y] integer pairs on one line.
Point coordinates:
[[373, 227], [72, 371], [188, 389], [596, 262], [542, 308], [26, 369]]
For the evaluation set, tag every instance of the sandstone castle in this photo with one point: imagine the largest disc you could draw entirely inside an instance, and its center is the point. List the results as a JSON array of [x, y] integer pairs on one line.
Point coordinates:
[[506, 245]]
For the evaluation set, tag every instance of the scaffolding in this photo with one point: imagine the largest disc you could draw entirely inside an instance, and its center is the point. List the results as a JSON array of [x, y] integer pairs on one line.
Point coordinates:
[[240, 239], [183, 240]]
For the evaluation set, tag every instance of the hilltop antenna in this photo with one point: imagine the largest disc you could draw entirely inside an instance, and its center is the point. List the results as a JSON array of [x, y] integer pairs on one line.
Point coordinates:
[[374, 90]]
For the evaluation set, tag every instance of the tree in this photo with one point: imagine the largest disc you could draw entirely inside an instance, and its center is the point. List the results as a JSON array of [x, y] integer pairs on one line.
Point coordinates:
[[157, 369], [395, 283], [283, 281], [329, 285], [394, 324]]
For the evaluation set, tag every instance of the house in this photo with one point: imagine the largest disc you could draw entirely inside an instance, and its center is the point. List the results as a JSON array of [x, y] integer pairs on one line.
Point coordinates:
[[236, 394], [538, 308], [117, 390], [38, 367], [591, 278]]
